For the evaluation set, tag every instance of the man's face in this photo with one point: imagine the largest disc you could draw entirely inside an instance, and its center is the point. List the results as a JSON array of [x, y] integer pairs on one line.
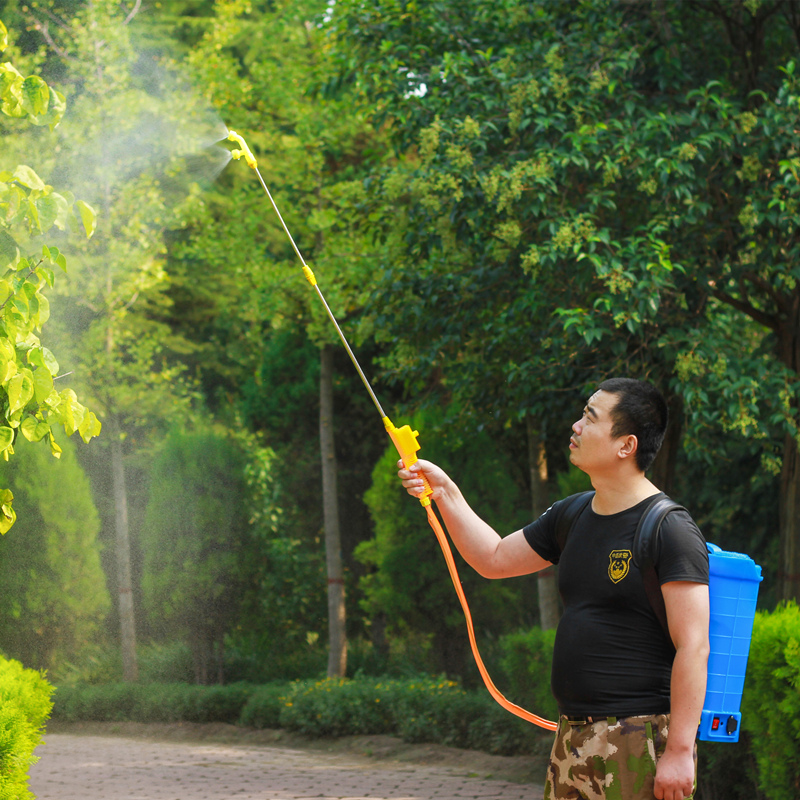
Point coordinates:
[[591, 445]]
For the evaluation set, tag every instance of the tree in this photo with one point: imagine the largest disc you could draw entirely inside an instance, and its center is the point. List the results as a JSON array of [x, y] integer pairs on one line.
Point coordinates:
[[621, 146], [124, 144], [194, 542], [408, 591], [313, 156], [50, 573], [31, 208]]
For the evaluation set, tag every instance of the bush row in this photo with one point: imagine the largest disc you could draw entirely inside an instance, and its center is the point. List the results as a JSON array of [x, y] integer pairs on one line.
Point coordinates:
[[417, 710], [764, 765]]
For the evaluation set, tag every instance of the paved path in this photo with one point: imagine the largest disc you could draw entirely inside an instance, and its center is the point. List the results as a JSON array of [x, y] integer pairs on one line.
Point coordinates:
[[80, 767]]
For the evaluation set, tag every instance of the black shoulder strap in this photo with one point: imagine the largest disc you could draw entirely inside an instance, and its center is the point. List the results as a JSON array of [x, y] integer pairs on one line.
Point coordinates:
[[645, 552], [569, 510]]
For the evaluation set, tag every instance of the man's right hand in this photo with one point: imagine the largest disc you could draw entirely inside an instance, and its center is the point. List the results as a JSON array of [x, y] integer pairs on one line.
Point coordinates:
[[412, 478]]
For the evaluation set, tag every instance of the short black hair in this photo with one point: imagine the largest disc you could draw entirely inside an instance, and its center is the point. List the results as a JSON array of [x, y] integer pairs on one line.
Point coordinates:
[[640, 410]]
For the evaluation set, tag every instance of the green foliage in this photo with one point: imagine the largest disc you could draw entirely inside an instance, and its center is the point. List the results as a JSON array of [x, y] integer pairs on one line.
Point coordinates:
[[583, 189], [408, 586], [264, 706], [727, 771], [24, 707], [102, 664], [421, 709], [157, 702], [51, 579], [445, 714], [526, 660], [194, 538], [337, 707], [771, 701], [30, 208], [265, 657]]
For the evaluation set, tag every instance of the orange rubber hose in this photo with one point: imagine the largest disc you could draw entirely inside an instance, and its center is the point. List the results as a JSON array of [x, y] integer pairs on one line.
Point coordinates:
[[493, 690]]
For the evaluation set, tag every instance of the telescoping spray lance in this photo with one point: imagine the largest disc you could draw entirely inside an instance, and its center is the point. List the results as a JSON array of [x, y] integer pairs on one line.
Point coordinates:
[[407, 443]]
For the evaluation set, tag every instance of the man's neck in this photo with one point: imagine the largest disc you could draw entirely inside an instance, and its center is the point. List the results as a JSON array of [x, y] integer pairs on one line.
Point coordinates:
[[620, 492]]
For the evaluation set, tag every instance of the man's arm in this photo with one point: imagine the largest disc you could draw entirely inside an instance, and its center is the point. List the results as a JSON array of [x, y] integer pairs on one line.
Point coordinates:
[[687, 617], [481, 546]]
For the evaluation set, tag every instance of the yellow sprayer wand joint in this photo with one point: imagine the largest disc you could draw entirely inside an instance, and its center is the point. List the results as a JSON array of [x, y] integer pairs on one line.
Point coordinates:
[[245, 150]]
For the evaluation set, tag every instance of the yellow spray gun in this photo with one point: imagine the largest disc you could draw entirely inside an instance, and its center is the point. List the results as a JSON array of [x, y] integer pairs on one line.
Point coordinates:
[[405, 440], [407, 443]]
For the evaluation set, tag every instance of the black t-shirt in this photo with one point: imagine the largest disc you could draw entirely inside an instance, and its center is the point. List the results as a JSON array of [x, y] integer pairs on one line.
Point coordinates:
[[612, 657]]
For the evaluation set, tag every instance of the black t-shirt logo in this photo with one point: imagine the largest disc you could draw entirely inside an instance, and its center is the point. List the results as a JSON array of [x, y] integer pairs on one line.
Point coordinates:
[[619, 561]]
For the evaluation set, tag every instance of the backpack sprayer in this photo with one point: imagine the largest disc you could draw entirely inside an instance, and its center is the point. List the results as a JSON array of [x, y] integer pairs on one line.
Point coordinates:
[[407, 443], [734, 577]]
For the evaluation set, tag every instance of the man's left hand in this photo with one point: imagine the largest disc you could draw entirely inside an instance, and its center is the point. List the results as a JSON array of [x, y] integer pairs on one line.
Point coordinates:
[[674, 776]]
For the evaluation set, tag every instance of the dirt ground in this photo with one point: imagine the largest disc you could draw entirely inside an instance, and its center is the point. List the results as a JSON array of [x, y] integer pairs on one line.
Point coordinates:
[[525, 769]]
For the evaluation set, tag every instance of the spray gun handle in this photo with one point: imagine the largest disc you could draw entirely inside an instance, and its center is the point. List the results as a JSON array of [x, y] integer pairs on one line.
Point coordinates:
[[407, 444]]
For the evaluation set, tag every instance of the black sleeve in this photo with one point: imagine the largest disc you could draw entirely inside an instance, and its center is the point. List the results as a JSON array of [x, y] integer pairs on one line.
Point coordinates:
[[541, 534], [682, 554]]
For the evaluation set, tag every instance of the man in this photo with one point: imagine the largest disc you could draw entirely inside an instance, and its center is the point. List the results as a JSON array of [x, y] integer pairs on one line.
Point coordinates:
[[629, 695]]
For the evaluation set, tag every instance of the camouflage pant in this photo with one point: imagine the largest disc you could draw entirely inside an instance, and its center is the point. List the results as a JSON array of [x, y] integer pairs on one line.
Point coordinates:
[[613, 759]]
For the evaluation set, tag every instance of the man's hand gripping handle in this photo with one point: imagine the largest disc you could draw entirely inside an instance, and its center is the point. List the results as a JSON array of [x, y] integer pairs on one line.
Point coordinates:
[[405, 440]]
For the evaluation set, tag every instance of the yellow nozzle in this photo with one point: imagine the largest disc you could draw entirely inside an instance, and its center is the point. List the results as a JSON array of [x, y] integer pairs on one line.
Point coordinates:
[[245, 151]]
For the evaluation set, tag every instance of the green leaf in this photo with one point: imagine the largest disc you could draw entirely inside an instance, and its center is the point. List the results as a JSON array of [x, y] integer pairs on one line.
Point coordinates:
[[70, 411], [55, 111], [43, 358], [7, 514], [8, 360], [6, 437], [11, 91], [90, 427], [20, 390], [34, 430], [42, 385], [52, 210], [27, 177], [9, 252], [35, 95], [88, 218], [41, 313], [3, 36]]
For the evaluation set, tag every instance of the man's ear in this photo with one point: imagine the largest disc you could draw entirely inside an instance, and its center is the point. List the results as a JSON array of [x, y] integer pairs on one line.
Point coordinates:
[[628, 447]]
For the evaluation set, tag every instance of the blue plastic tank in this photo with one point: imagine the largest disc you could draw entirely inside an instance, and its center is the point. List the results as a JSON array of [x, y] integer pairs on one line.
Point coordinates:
[[733, 591]]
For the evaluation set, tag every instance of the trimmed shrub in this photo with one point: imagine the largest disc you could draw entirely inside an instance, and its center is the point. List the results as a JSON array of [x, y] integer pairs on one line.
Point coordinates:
[[24, 706], [526, 659], [337, 707], [221, 703], [443, 713], [771, 701], [154, 702], [263, 707]]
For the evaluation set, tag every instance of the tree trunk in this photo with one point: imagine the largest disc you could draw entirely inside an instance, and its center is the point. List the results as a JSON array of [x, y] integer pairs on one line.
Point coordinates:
[[127, 622], [337, 638], [789, 523], [546, 582], [663, 470], [789, 509]]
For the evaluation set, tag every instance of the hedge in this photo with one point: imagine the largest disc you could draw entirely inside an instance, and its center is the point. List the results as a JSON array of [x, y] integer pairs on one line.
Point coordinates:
[[24, 706], [764, 765], [417, 710], [771, 701]]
